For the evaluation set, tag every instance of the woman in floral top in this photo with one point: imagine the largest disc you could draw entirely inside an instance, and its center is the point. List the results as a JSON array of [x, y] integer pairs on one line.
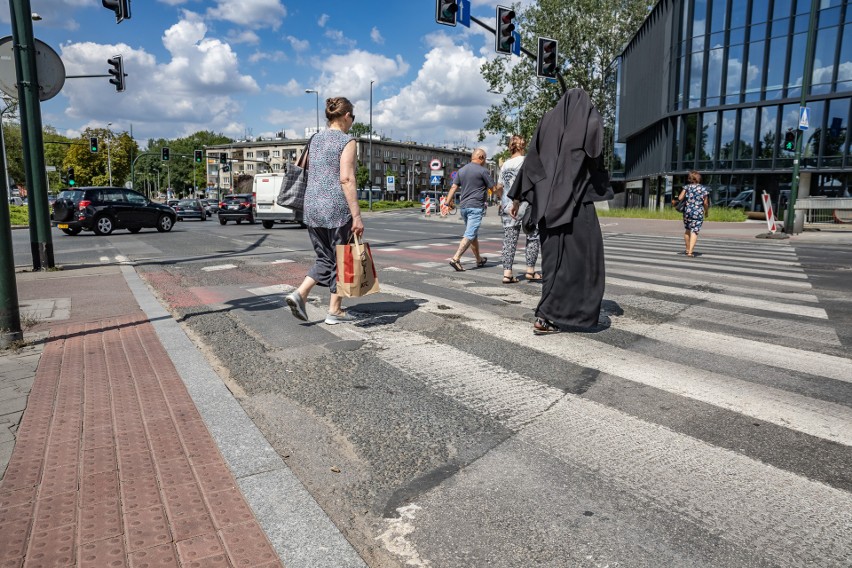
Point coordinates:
[[697, 203], [331, 207]]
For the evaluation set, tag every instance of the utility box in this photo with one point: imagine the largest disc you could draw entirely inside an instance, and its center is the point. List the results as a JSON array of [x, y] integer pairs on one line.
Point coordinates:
[[266, 188]]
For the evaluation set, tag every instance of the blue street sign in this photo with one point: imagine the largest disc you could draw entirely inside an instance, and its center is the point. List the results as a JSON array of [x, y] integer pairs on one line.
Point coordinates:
[[434, 180], [804, 118], [464, 13], [516, 45]]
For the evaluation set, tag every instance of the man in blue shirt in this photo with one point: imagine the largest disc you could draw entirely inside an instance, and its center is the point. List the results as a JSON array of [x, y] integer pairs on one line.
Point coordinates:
[[475, 183]]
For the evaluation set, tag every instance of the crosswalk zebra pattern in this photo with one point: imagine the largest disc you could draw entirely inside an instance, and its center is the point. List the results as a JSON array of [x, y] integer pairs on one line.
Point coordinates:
[[738, 330]]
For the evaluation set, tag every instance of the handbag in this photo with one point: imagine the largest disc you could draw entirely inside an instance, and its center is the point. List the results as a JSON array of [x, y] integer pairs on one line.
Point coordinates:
[[356, 272], [528, 223], [295, 182], [680, 205]]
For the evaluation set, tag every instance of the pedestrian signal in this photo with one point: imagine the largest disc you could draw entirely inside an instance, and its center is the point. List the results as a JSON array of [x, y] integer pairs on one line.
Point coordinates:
[[446, 12], [505, 28], [165, 154], [223, 158], [546, 60], [790, 140], [198, 157], [93, 144]]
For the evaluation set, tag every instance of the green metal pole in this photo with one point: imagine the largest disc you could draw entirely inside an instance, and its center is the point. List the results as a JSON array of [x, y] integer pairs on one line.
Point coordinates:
[[790, 216], [41, 241], [10, 314]]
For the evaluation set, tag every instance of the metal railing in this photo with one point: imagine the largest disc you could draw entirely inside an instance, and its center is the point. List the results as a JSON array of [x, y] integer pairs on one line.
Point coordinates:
[[825, 211]]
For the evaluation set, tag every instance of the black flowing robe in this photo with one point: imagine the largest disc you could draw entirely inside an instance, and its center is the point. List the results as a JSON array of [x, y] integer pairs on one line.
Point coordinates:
[[561, 178]]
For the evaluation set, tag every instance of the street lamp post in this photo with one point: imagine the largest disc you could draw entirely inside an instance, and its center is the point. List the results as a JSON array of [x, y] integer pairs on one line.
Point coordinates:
[[371, 145], [317, 94], [109, 157]]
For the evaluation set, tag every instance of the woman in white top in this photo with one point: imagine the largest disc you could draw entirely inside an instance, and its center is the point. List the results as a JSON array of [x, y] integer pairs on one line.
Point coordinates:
[[512, 225]]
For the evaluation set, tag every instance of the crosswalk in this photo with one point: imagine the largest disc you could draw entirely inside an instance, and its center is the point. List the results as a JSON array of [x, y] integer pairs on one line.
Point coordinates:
[[751, 444]]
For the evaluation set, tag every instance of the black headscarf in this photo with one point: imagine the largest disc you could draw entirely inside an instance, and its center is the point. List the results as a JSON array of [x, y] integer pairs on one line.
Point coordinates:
[[564, 161]]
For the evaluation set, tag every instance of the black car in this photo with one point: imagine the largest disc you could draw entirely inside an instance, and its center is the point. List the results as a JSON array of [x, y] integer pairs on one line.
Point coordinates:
[[238, 207], [190, 209], [104, 209]]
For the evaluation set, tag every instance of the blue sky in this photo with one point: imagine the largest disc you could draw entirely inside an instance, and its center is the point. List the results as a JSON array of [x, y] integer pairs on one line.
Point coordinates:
[[241, 67]]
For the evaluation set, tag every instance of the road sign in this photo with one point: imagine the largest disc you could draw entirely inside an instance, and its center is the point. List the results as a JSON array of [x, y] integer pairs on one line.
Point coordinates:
[[434, 180], [435, 164], [804, 118], [391, 183], [463, 15], [770, 215]]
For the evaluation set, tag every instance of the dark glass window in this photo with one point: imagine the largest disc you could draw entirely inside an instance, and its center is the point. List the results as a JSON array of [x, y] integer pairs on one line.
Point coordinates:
[[754, 72], [782, 9], [775, 69], [714, 75], [699, 18], [835, 132], [759, 11], [745, 146], [727, 131], [733, 85], [797, 64], [813, 135], [844, 67], [767, 135], [708, 140], [696, 73], [789, 123], [801, 23], [675, 142], [757, 32], [690, 141], [738, 13], [826, 44]]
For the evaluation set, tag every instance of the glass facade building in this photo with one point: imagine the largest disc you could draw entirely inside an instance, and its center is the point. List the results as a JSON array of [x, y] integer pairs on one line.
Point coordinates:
[[715, 85]]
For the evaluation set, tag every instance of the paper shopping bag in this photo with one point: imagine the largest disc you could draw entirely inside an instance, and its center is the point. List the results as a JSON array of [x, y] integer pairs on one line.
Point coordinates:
[[356, 273]]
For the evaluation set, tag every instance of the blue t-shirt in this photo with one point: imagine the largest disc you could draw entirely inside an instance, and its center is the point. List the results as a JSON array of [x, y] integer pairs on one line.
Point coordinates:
[[474, 182]]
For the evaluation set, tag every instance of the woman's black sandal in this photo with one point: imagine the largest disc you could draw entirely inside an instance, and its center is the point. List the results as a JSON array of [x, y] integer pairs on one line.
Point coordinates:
[[544, 327], [534, 277], [481, 262], [457, 265], [510, 280]]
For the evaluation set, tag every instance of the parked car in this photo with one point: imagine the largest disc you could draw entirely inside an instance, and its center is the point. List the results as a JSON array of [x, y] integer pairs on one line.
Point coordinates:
[[190, 209], [238, 207], [210, 206], [743, 200], [104, 209], [16, 201], [267, 210]]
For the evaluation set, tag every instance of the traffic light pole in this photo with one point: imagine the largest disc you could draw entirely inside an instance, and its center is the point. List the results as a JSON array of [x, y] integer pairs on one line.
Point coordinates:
[[790, 216], [10, 311], [523, 50], [41, 242]]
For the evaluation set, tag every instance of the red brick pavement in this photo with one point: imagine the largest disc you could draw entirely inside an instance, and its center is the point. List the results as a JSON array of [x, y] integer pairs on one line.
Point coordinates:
[[113, 466]]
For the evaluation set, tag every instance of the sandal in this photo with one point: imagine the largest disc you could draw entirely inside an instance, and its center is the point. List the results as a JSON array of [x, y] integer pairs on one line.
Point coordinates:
[[510, 280], [544, 327], [457, 265], [482, 261], [534, 277]]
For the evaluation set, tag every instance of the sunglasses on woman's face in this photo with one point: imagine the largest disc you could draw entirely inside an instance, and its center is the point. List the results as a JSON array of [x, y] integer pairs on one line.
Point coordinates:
[[353, 116]]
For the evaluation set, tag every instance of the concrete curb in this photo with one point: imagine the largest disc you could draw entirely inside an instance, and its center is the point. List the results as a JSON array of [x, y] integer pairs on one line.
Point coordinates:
[[299, 530]]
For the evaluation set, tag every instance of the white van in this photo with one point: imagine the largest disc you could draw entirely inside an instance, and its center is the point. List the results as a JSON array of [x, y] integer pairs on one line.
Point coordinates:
[[267, 211]]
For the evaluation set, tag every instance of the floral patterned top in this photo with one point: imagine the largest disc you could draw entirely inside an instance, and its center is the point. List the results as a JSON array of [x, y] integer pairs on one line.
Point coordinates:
[[325, 204], [695, 194]]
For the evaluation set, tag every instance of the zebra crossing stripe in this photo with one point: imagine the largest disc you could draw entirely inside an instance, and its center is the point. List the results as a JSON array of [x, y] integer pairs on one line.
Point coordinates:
[[822, 419], [752, 303], [700, 275], [774, 251], [709, 267], [710, 256]]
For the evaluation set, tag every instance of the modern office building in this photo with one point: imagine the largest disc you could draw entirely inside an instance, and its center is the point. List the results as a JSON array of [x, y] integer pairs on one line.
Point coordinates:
[[407, 162], [715, 85]]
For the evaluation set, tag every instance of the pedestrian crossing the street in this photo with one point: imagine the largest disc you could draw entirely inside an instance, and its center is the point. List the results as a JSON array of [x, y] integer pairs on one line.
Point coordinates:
[[699, 366]]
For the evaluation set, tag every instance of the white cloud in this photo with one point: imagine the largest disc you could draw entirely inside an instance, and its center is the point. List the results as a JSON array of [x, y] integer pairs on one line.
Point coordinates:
[[376, 36], [193, 91], [250, 13], [274, 56], [323, 20], [337, 37], [297, 44], [349, 75], [246, 36], [292, 88]]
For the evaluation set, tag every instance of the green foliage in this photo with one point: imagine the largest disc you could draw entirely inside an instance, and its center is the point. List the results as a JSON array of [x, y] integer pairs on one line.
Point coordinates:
[[718, 214], [359, 129], [362, 176], [14, 152], [386, 205], [591, 34], [90, 168], [19, 214], [181, 167]]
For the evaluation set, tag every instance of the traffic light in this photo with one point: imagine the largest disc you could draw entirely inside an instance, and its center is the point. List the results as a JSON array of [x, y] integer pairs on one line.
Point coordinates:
[[117, 72], [505, 26], [446, 12], [226, 168], [223, 158], [198, 157], [165, 152], [70, 178], [790, 140], [120, 7], [546, 60], [93, 144]]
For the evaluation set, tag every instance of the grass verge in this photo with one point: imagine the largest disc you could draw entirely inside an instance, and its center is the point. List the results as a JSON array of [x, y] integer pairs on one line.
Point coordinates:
[[19, 214], [719, 214]]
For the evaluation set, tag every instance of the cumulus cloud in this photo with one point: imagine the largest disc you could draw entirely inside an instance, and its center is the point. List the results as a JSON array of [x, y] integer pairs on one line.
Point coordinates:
[[274, 56], [193, 91], [376, 36], [297, 44], [323, 20], [250, 13], [292, 88], [246, 36], [337, 37], [350, 74]]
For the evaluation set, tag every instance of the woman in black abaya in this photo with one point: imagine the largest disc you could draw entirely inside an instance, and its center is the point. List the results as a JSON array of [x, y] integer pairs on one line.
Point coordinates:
[[561, 179]]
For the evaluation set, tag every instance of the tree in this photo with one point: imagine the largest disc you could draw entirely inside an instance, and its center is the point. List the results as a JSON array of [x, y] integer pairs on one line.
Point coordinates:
[[359, 129], [591, 34], [362, 177], [114, 153]]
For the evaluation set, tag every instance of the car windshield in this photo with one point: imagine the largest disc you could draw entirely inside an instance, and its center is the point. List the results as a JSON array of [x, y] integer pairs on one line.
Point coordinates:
[[70, 194], [187, 202], [238, 198]]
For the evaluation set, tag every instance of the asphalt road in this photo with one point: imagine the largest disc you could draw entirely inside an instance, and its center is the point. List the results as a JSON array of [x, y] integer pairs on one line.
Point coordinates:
[[707, 421]]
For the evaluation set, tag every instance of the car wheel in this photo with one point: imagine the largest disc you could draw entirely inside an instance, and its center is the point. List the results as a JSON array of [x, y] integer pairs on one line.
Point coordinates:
[[71, 232], [250, 220], [103, 225], [165, 223], [239, 221], [268, 224], [135, 230], [222, 221]]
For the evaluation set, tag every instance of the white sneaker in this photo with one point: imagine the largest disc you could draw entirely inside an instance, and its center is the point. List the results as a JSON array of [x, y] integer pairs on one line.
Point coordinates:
[[345, 317], [297, 305]]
